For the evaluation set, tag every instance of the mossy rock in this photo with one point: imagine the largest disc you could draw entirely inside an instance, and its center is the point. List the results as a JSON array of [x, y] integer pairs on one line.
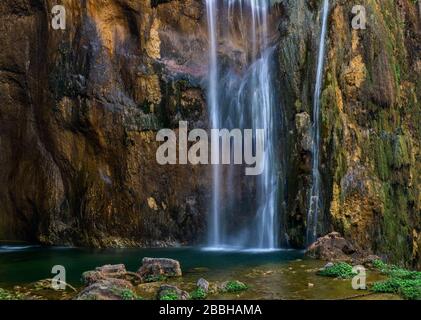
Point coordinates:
[[233, 286]]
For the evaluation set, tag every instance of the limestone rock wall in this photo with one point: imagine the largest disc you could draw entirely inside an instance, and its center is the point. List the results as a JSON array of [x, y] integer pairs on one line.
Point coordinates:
[[79, 114], [371, 108], [80, 109]]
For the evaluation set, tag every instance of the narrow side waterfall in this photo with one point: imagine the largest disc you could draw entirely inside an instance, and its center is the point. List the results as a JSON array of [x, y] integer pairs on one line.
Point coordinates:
[[214, 225], [315, 203], [241, 95]]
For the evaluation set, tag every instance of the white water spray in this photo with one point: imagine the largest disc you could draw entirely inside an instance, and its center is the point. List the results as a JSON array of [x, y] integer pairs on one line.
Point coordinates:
[[214, 228], [315, 197], [245, 100]]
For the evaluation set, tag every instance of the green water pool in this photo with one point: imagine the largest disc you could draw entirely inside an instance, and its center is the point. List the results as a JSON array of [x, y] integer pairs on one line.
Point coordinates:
[[282, 274]]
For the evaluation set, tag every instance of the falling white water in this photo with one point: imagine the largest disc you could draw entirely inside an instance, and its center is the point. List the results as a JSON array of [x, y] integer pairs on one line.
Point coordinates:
[[315, 198], [244, 100], [214, 226]]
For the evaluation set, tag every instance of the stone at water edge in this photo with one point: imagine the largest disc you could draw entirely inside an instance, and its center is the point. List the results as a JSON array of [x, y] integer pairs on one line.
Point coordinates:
[[165, 290], [224, 286], [331, 247], [112, 268], [107, 289], [366, 260], [160, 267], [105, 272], [203, 284]]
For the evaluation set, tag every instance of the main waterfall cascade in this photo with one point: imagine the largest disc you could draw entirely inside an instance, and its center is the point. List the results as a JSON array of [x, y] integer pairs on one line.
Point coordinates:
[[241, 94], [315, 202]]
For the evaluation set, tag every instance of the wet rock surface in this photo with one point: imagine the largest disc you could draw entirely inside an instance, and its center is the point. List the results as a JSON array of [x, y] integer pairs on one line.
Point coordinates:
[[334, 248], [106, 289], [155, 267], [109, 272], [203, 284], [169, 292], [331, 247], [91, 99], [81, 109]]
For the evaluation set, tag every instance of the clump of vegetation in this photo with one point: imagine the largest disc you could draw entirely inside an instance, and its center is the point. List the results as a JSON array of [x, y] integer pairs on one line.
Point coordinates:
[[338, 270], [379, 265], [7, 295], [168, 296], [401, 281], [155, 278], [128, 294], [198, 294], [235, 286]]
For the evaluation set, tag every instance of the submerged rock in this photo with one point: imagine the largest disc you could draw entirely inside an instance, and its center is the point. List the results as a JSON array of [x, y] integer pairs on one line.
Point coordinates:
[[156, 267], [167, 292]]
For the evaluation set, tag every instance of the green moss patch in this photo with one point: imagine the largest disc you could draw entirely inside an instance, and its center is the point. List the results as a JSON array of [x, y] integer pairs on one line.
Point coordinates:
[[235, 286], [169, 296], [130, 295], [7, 295], [338, 270], [198, 294], [401, 281]]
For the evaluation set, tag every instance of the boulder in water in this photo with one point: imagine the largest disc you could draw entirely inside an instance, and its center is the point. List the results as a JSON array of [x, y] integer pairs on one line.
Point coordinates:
[[331, 247], [107, 289], [155, 267], [117, 271]]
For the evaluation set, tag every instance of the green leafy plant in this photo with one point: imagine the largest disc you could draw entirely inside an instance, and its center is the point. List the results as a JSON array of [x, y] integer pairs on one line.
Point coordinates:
[[169, 296], [379, 265], [198, 294], [338, 270], [235, 286], [7, 295], [401, 281], [128, 294]]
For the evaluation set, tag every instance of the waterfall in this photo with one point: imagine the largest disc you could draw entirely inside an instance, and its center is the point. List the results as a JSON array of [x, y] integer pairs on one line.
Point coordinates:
[[315, 202], [214, 225], [244, 97]]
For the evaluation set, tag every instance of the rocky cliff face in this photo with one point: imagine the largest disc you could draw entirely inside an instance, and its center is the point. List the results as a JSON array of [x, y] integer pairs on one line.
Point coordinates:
[[81, 107], [80, 110], [370, 123]]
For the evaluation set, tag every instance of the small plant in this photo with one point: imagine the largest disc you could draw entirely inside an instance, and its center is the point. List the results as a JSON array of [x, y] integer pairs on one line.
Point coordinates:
[[411, 293], [388, 286], [401, 281], [198, 294], [128, 294], [379, 265], [235, 286], [7, 295], [338, 270], [168, 296]]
